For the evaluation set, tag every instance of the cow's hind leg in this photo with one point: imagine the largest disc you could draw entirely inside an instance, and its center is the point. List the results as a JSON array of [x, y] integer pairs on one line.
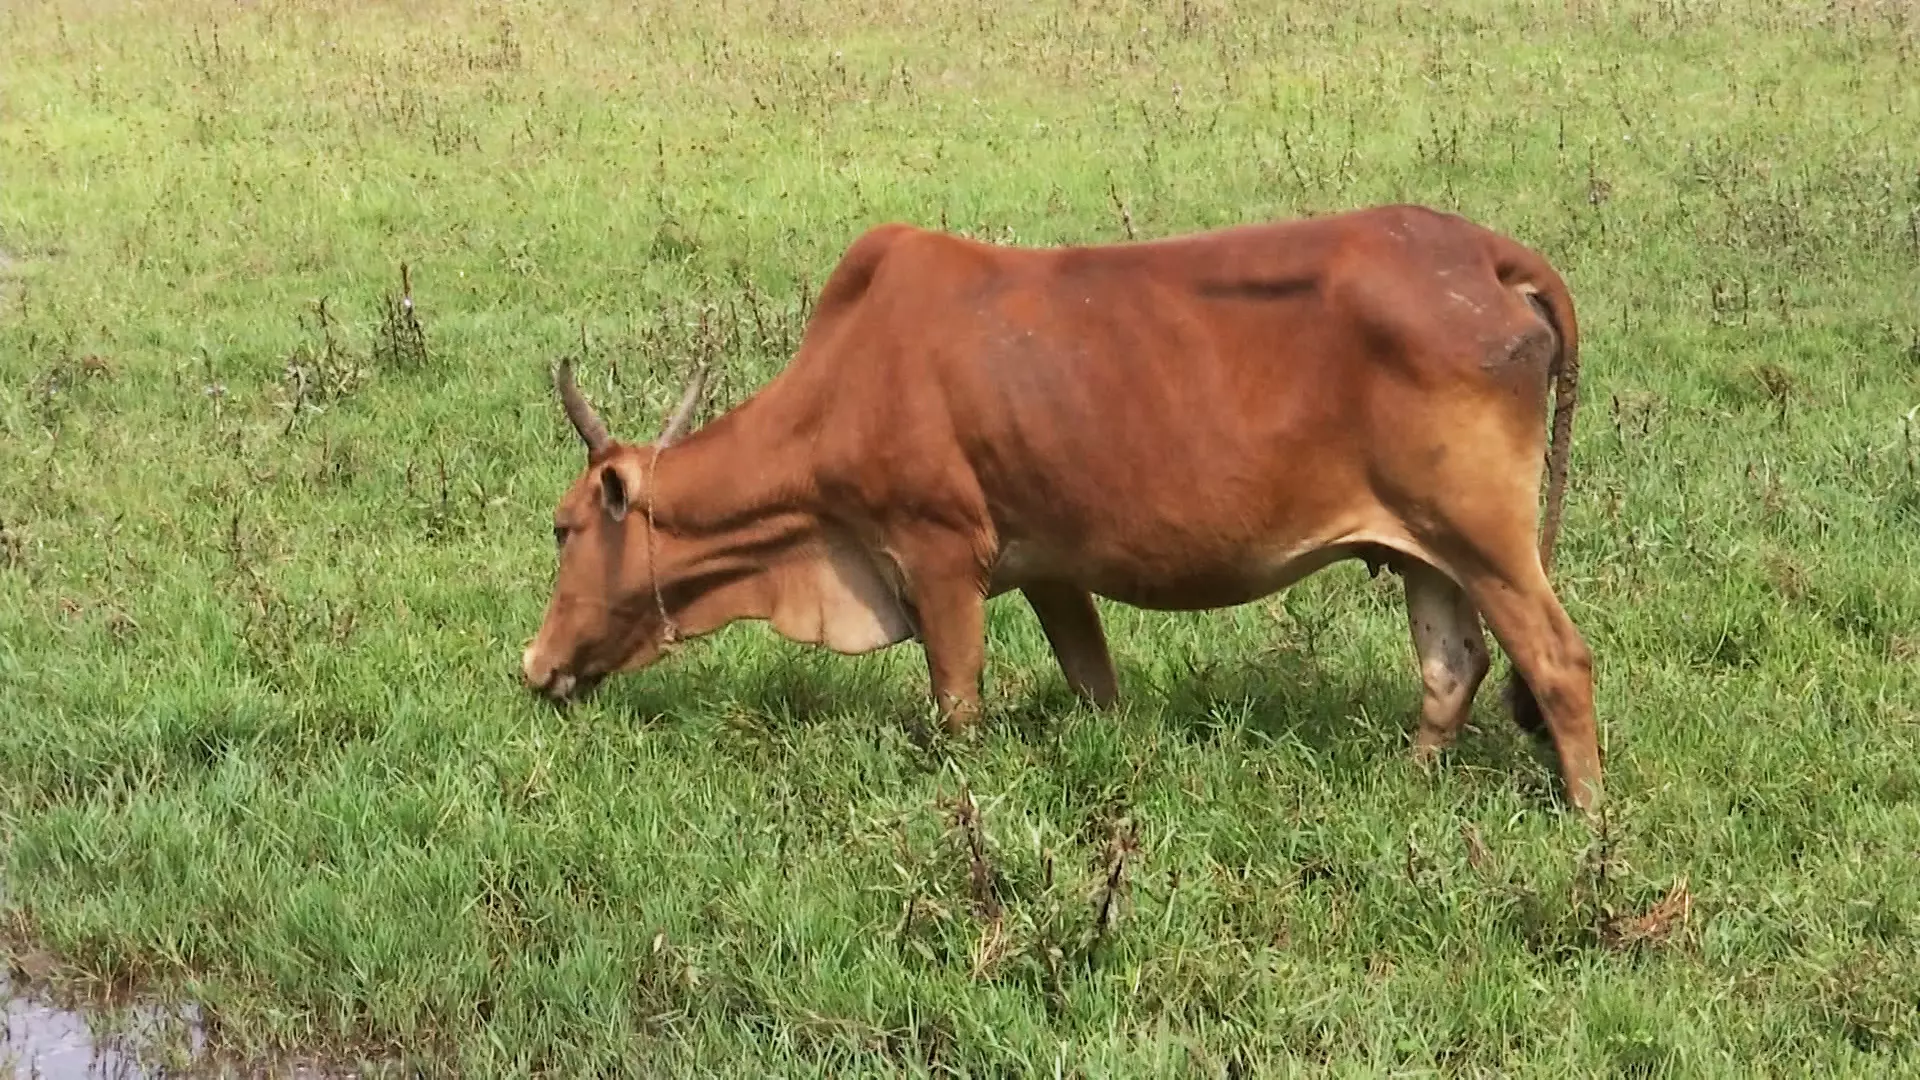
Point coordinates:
[[1452, 653], [1553, 666], [1072, 626]]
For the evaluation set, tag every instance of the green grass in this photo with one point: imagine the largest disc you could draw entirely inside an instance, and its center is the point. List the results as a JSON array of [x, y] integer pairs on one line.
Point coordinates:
[[263, 746]]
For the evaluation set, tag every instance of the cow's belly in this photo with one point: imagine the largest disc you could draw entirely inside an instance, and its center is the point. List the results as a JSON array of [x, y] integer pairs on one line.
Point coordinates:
[[1198, 581]]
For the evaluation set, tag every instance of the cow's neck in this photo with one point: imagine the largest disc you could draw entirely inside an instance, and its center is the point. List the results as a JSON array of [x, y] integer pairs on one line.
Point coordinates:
[[743, 534]]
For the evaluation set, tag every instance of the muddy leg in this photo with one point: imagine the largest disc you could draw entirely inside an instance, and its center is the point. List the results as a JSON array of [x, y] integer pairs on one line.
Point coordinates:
[[1452, 652]]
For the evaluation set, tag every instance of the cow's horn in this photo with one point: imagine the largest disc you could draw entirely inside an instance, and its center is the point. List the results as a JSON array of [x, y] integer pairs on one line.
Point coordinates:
[[592, 431], [683, 412]]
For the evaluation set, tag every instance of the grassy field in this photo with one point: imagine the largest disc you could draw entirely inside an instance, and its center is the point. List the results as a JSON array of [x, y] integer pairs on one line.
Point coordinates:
[[268, 556]]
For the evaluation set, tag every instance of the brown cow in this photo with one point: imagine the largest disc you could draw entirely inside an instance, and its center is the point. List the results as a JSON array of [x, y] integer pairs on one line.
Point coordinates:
[[1179, 424]]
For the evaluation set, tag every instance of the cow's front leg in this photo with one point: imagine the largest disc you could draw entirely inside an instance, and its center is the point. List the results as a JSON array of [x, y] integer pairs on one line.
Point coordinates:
[[953, 631], [948, 590], [1072, 625]]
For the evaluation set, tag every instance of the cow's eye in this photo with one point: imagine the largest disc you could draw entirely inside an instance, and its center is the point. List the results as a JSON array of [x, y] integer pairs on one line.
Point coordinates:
[[559, 536]]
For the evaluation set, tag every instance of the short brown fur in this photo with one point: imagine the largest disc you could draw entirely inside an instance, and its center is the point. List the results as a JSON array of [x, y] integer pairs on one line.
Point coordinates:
[[1179, 424]]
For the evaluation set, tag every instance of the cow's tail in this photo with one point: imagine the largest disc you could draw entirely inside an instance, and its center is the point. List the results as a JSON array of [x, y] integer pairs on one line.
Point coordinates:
[[1544, 288], [1564, 376]]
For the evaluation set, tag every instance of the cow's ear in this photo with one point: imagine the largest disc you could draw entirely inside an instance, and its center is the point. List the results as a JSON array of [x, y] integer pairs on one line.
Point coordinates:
[[613, 491]]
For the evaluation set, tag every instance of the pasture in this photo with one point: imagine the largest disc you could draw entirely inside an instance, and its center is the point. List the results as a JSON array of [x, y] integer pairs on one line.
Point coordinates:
[[272, 537]]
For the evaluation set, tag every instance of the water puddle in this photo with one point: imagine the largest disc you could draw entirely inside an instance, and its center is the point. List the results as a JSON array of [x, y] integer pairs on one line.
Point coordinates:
[[46, 1042], [140, 1041]]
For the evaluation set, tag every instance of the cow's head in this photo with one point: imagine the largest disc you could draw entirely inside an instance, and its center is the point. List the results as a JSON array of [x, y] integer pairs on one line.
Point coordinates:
[[612, 601]]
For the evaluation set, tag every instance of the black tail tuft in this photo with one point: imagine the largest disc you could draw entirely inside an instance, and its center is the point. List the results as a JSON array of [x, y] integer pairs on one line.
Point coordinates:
[[1525, 707]]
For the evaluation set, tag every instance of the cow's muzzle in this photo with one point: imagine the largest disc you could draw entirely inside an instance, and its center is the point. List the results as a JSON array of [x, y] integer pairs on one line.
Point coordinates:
[[550, 681]]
